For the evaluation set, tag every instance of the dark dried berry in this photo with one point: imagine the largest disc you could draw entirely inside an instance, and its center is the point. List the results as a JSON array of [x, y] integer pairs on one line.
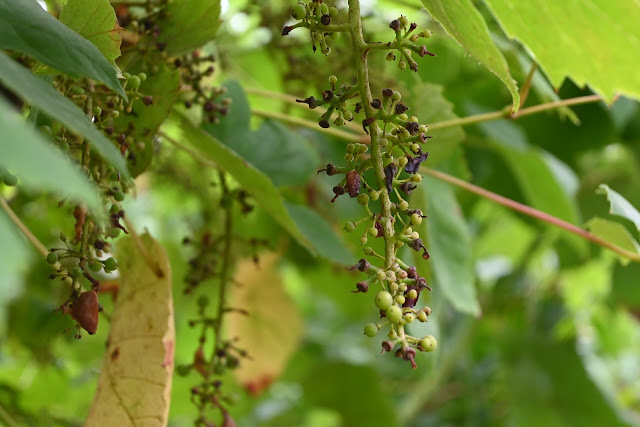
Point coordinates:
[[395, 25], [327, 95], [324, 124], [353, 183], [407, 187], [413, 26], [147, 100], [330, 169], [387, 346], [412, 272], [387, 93], [389, 175], [376, 103], [413, 127], [423, 51], [362, 265], [413, 164], [109, 130], [400, 108], [209, 106], [338, 191], [325, 19], [361, 287]]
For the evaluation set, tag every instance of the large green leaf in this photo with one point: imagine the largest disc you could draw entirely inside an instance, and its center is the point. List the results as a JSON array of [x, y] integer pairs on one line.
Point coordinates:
[[188, 25], [594, 42], [614, 232], [37, 163], [284, 156], [257, 184], [449, 242], [96, 21], [620, 206], [465, 24], [26, 27], [317, 230], [36, 91]]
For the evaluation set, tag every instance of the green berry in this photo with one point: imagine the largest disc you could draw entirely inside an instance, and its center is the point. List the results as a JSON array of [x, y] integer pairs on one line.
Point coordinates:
[[402, 161], [324, 9], [183, 370], [396, 96], [383, 300], [333, 80], [350, 148], [374, 195], [394, 314], [416, 177], [350, 226], [381, 275], [348, 115], [390, 56], [363, 198], [363, 240], [416, 219], [402, 65], [118, 196], [95, 266], [369, 251], [404, 21], [76, 272], [422, 316], [413, 294], [110, 264], [428, 343], [371, 330], [400, 299], [373, 232], [409, 317], [415, 147], [333, 11], [403, 205], [52, 258], [348, 157], [203, 301], [143, 76], [9, 179]]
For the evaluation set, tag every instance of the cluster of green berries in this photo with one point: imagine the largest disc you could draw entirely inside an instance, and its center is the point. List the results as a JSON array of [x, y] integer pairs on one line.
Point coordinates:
[[399, 138], [316, 16]]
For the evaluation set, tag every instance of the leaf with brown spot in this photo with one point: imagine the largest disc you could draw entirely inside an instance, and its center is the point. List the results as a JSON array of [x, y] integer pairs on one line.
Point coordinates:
[[273, 327], [134, 387]]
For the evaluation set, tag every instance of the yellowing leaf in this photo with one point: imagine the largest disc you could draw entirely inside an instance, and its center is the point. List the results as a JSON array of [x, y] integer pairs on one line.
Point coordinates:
[[96, 21], [134, 386], [273, 326]]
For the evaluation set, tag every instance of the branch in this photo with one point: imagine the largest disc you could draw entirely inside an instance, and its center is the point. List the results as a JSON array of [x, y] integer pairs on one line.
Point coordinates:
[[535, 213], [23, 228]]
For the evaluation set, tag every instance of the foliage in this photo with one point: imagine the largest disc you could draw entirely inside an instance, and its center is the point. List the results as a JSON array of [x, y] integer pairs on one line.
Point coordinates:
[[174, 164]]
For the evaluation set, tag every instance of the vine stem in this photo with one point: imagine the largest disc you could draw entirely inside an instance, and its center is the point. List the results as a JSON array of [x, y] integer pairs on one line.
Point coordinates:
[[532, 212], [23, 228]]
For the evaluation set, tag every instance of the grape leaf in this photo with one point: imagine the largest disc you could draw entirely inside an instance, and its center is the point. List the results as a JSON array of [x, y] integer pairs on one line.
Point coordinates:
[[561, 36], [465, 24], [614, 232], [96, 21], [134, 387], [26, 27], [620, 206], [188, 25]]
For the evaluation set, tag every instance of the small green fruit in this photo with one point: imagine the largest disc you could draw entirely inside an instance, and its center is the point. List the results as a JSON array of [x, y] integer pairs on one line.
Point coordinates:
[[428, 343], [371, 330], [110, 264], [394, 314], [363, 198], [416, 219], [95, 266], [383, 300], [350, 226], [52, 258]]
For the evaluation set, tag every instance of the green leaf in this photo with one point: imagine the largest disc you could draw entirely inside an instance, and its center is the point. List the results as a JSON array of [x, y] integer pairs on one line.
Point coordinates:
[[449, 243], [96, 21], [38, 164], [615, 233], [13, 250], [427, 102], [620, 206], [465, 24], [144, 120], [317, 230], [37, 92], [255, 182], [26, 27], [355, 392], [561, 36], [188, 25], [233, 129]]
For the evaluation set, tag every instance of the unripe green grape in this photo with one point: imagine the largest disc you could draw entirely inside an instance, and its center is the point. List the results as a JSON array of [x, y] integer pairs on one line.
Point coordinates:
[[363, 198], [413, 294], [381, 275], [403, 205], [394, 314], [400, 299], [416, 219], [390, 56], [76, 272], [350, 226], [403, 116], [371, 330], [425, 34], [393, 287], [428, 343], [383, 300], [409, 317], [404, 21], [134, 82], [363, 240], [415, 147], [298, 12], [95, 266], [110, 264], [333, 79], [143, 76], [373, 232], [348, 157], [422, 316], [350, 147], [348, 115], [362, 148], [402, 288], [52, 258], [118, 196], [416, 177], [414, 38], [324, 9], [408, 230], [402, 65], [415, 235], [396, 97], [368, 251], [333, 11], [97, 110], [423, 128], [402, 161]]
